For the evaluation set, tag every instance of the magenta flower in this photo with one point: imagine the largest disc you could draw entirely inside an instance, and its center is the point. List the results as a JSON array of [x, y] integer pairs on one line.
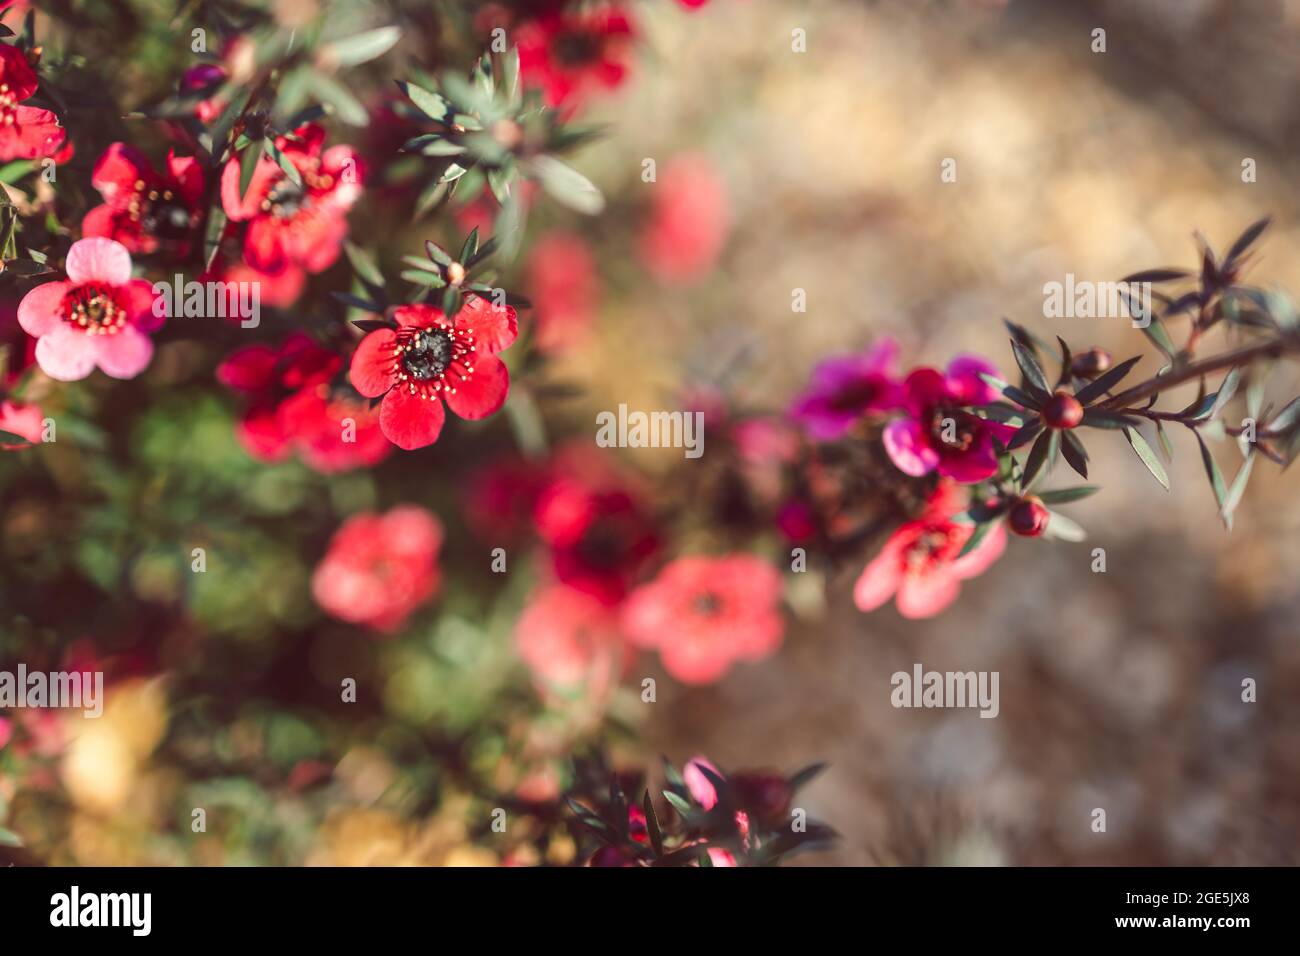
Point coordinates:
[[937, 432], [845, 388], [100, 316]]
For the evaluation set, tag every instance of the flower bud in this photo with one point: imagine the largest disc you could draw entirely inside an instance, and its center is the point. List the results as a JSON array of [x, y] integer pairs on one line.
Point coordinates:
[[1091, 363], [1028, 517], [1062, 411]]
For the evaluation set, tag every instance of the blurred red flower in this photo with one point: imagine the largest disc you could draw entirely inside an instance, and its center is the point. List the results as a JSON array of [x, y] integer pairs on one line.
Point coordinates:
[[430, 358], [143, 209], [23, 420], [571, 54], [920, 565], [26, 132], [570, 642], [294, 228], [599, 537], [704, 613], [380, 568], [562, 286], [689, 220]]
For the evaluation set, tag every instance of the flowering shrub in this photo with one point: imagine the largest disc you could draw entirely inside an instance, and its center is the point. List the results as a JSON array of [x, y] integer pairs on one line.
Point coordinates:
[[303, 583]]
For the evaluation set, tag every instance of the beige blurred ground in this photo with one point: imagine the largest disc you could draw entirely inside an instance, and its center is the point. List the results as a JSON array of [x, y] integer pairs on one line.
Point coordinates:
[[1119, 690]]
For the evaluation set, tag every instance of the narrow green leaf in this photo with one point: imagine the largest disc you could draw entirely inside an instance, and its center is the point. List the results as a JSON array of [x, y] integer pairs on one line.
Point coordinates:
[[1106, 381], [1236, 490], [362, 47], [1029, 366], [1212, 471], [1147, 455], [1040, 458], [1062, 496], [1073, 452], [973, 542]]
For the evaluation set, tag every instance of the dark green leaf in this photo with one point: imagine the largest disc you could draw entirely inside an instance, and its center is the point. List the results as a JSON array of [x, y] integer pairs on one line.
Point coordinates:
[[1073, 452], [1212, 471], [1106, 381], [1029, 366], [652, 824], [1040, 458]]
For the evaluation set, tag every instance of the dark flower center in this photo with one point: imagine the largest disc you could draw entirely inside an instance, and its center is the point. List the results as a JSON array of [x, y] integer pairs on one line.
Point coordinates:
[[167, 218], [430, 360], [707, 603], [576, 48], [952, 429], [94, 308], [855, 396], [284, 199], [429, 355]]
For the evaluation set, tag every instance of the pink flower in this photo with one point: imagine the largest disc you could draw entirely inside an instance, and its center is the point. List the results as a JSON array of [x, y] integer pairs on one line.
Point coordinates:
[[688, 224], [919, 566], [380, 568], [25, 421], [100, 316], [846, 388], [700, 786], [570, 641], [937, 433], [703, 614]]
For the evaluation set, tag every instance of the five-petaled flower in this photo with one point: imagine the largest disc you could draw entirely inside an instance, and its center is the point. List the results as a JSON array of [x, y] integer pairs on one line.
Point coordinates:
[[294, 227], [380, 567], [143, 209], [921, 565], [569, 54], [429, 359], [937, 432], [847, 387], [26, 132], [99, 316], [704, 613]]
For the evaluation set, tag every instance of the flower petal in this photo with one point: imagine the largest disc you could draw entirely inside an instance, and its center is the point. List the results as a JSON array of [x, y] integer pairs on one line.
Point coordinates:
[[880, 578], [978, 559], [964, 382], [118, 170], [99, 260], [40, 311], [909, 447], [409, 421], [372, 363], [417, 316], [925, 595], [494, 327], [484, 392], [124, 355], [65, 354]]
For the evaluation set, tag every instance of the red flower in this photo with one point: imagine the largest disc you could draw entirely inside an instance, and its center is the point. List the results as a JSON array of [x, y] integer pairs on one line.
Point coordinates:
[[599, 538], [936, 434], [919, 566], [689, 222], [144, 209], [702, 614], [296, 406], [570, 642], [430, 358], [293, 229], [25, 131], [380, 568], [100, 316], [562, 287], [570, 54]]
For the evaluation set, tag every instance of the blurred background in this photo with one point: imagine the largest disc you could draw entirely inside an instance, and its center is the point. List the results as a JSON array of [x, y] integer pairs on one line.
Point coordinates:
[[816, 170]]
